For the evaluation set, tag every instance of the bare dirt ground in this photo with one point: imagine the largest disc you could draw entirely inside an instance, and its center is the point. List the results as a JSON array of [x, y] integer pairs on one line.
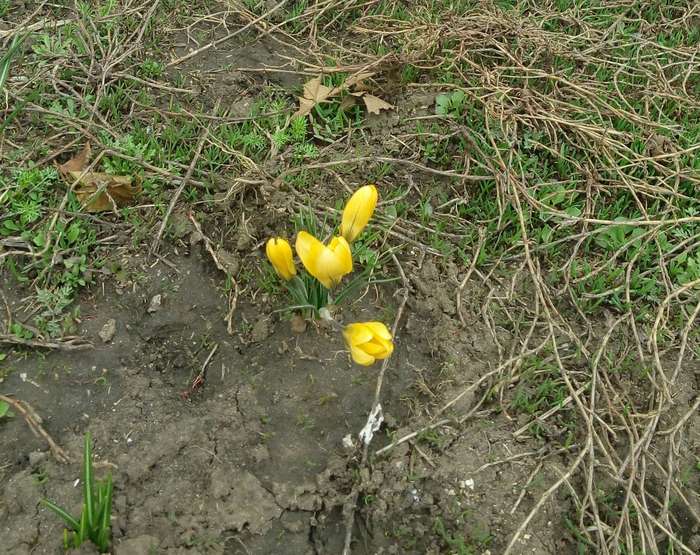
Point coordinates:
[[543, 394]]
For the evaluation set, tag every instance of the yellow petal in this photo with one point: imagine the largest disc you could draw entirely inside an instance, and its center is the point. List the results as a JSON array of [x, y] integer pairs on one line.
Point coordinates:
[[373, 348], [310, 250], [358, 211], [378, 329], [378, 348], [368, 341], [360, 357], [327, 264], [356, 334], [388, 348], [331, 267], [342, 251], [279, 253]]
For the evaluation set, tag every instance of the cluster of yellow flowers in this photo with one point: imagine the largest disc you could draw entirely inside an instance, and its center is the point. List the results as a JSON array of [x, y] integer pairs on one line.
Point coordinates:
[[367, 341]]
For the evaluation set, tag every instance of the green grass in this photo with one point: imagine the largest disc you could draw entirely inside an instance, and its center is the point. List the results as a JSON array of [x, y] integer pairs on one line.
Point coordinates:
[[64, 251], [94, 522], [459, 542], [557, 168], [5, 411], [542, 389], [8, 56]]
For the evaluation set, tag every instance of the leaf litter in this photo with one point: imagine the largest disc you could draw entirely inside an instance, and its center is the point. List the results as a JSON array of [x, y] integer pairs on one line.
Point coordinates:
[[98, 191], [315, 92]]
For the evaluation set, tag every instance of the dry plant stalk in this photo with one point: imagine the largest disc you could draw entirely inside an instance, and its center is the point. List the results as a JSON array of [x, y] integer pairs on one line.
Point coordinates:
[[620, 438], [33, 420]]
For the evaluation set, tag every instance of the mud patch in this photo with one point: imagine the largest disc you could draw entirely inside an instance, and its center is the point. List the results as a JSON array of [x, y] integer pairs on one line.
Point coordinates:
[[236, 461]]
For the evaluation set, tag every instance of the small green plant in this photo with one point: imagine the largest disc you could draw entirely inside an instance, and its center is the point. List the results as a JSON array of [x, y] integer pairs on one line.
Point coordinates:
[[52, 319], [459, 543], [6, 59], [152, 68], [5, 411], [451, 104], [52, 46], [541, 389], [253, 5], [94, 521]]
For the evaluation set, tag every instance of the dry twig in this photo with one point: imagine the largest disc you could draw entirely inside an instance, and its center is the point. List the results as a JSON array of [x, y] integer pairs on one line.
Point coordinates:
[[33, 420]]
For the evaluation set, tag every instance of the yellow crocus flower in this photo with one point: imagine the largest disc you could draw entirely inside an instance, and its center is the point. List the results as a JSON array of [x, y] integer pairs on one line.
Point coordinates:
[[358, 211], [328, 264], [279, 253], [368, 342]]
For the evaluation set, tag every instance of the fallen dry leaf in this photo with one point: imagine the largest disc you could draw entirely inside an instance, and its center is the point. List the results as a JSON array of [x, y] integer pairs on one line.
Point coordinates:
[[96, 191], [375, 104], [348, 102], [314, 93], [298, 324], [78, 162], [114, 190], [357, 80]]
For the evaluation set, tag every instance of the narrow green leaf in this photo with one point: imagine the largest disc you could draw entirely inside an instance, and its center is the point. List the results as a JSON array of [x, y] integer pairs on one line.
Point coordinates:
[[83, 533], [105, 522], [88, 482], [60, 511], [6, 59]]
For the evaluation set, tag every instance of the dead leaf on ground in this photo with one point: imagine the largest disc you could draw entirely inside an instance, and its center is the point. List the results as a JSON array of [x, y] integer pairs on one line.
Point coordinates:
[[375, 104], [114, 190], [358, 79], [298, 324], [97, 191], [78, 162], [315, 93], [348, 102]]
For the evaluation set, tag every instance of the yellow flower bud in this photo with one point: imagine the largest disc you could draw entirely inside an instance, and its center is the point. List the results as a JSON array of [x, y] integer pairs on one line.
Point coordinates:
[[368, 342], [279, 253], [328, 264], [358, 211]]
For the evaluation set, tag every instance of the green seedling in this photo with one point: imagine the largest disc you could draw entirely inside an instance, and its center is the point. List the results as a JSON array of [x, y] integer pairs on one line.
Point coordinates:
[[94, 521], [5, 411], [6, 59]]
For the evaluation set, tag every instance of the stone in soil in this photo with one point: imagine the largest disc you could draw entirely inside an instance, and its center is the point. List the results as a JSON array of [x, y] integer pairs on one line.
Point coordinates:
[[108, 330]]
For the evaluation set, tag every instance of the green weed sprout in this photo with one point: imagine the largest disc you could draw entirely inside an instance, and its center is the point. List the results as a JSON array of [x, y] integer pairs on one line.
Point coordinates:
[[94, 521], [6, 58]]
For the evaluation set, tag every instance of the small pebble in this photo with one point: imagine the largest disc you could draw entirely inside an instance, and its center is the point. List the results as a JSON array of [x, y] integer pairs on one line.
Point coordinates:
[[348, 443], [261, 330], [298, 324], [108, 330], [155, 304], [36, 458]]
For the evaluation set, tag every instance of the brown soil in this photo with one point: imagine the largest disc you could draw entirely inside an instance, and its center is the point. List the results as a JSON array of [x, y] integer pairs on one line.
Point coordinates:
[[254, 457]]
